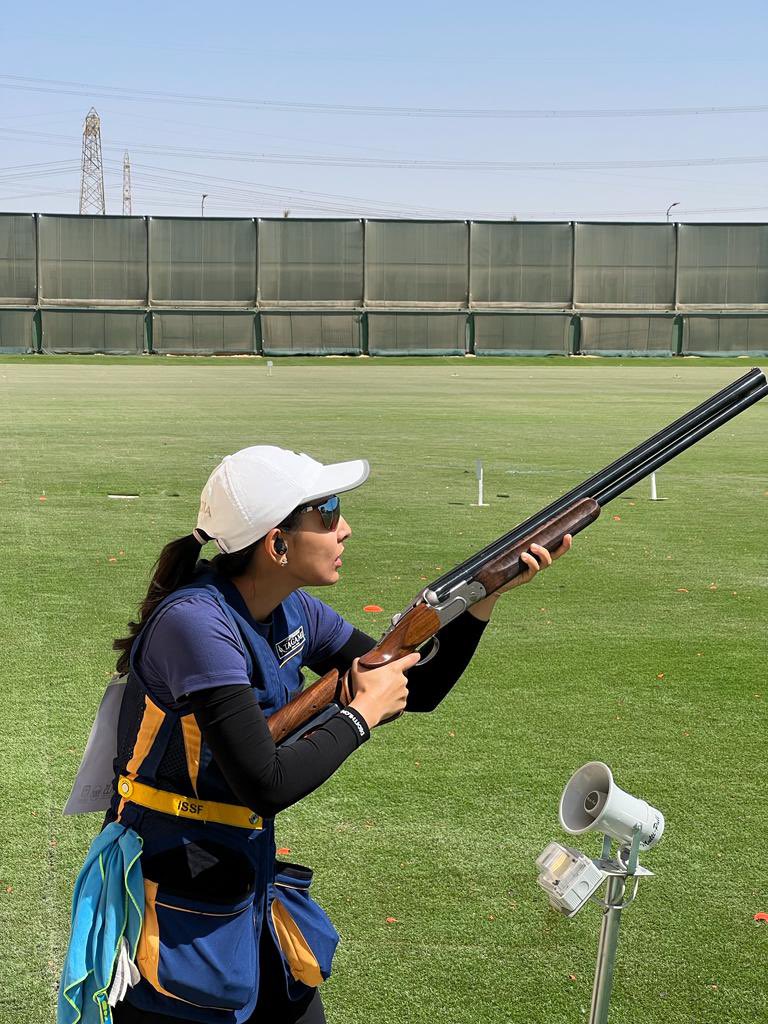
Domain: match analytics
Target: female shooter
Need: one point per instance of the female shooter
(227, 934)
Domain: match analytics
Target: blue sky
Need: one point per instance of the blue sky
(256, 160)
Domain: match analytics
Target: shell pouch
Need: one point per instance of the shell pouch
(200, 953)
(301, 929)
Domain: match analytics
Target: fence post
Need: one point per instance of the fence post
(676, 289)
(37, 258)
(257, 271)
(37, 328)
(678, 332)
(148, 331)
(364, 222)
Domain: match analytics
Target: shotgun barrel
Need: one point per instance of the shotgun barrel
(746, 388)
(613, 490)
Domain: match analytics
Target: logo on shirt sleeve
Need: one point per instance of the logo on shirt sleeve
(290, 646)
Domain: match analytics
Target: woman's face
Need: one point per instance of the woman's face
(314, 552)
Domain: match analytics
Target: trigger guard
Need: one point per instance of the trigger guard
(435, 648)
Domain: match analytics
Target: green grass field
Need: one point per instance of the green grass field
(644, 647)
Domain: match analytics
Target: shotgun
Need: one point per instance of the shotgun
(491, 568)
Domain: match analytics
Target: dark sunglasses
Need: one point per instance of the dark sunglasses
(330, 511)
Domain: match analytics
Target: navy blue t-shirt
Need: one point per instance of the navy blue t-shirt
(192, 646)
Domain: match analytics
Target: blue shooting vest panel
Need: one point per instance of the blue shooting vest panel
(199, 957)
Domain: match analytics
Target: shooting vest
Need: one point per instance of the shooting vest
(198, 956)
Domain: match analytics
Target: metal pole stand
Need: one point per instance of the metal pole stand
(620, 871)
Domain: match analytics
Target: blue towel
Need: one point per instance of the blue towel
(107, 905)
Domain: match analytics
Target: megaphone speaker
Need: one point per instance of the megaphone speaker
(592, 801)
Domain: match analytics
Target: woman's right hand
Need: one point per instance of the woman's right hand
(381, 693)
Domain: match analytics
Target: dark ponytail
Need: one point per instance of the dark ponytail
(175, 568)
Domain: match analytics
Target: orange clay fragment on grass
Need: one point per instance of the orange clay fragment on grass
(284, 851)
(761, 917)
(392, 920)
(373, 608)
(617, 519)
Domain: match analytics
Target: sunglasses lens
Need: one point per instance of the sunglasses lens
(331, 512)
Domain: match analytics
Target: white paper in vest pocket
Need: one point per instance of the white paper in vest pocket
(94, 785)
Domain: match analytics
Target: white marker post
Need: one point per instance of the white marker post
(479, 471)
(269, 367)
(654, 495)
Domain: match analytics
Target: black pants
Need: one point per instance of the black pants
(273, 1006)
(302, 1012)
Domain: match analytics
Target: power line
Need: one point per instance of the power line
(331, 160)
(122, 93)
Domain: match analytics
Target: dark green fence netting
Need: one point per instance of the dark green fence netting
(722, 264)
(417, 334)
(316, 333)
(204, 261)
(17, 331)
(627, 335)
(18, 258)
(521, 263)
(203, 333)
(93, 259)
(624, 264)
(522, 334)
(414, 261)
(120, 332)
(726, 335)
(311, 261)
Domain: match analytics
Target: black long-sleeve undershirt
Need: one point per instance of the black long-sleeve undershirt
(267, 778)
(264, 777)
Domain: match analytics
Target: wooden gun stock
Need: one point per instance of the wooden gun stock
(422, 622)
(415, 628)
(310, 702)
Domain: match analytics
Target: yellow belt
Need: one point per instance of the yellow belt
(187, 806)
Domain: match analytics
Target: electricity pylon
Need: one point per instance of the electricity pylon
(92, 168)
(126, 185)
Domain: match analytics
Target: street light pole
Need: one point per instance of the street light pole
(205, 196)
(671, 205)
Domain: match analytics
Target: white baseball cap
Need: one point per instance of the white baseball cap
(252, 491)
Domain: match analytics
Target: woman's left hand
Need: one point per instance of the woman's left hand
(482, 610)
(542, 560)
